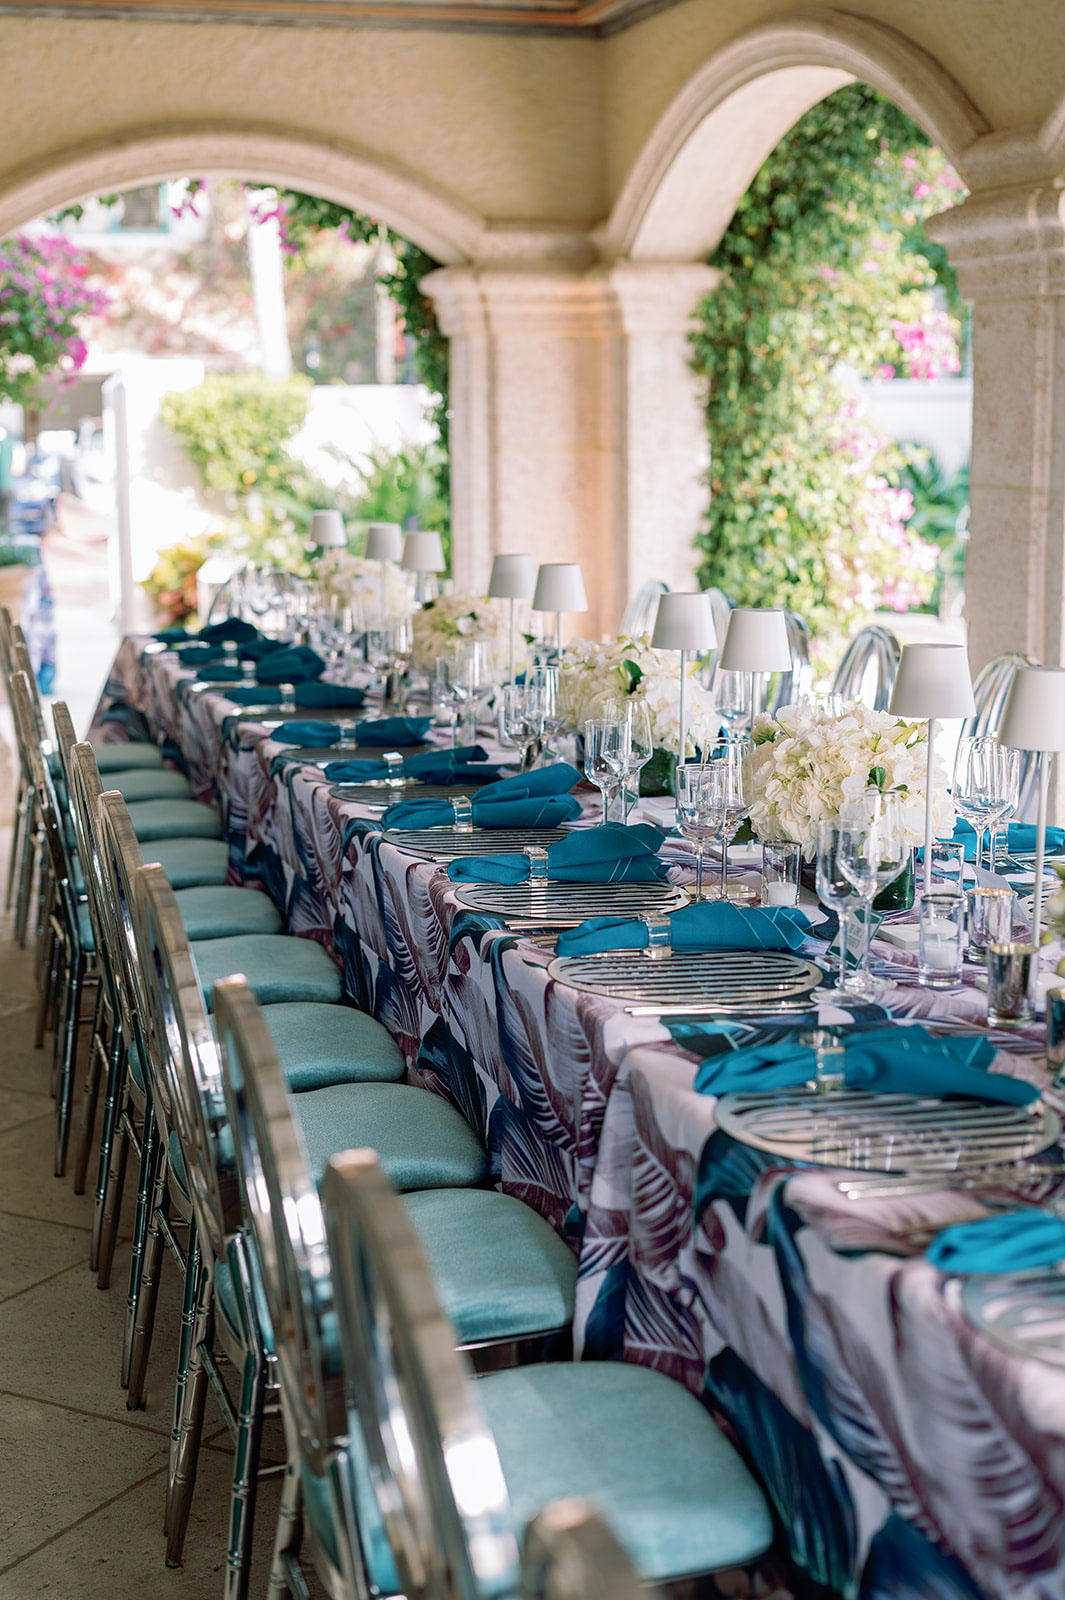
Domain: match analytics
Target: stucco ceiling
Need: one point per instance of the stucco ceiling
(582, 17)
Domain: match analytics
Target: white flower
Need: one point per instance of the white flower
(442, 625)
(627, 668)
(357, 582)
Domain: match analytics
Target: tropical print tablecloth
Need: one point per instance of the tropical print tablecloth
(906, 1456)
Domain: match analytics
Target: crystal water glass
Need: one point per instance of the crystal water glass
(1012, 762)
(473, 681)
(695, 816)
(872, 853)
(981, 789)
(443, 700)
(732, 701)
(990, 919)
(728, 796)
(602, 746)
(523, 718)
(836, 891)
(637, 749)
(947, 863)
(545, 681)
(942, 941)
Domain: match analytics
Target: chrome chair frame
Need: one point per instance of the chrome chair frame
(569, 1553)
(639, 615)
(872, 647)
(990, 688)
(32, 853)
(791, 686)
(22, 807)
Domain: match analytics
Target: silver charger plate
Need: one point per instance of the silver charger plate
(703, 979)
(378, 793)
(444, 844)
(1024, 1312)
(865, 1130)
(564, 905)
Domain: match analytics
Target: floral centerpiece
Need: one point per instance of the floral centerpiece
(357, 582)
(441, 625)
(809, 765)
(629, 669)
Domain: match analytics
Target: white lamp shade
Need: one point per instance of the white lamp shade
(933, 680)
(327, 529)
(1033, 717)
(423, 551)
(756, 640)
(513, 578)
(684, 622)
(384, 541)
(559, 587)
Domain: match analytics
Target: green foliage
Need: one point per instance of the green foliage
(16, 555)
(823, 265)
(236, 426)
(940, 517)
(401, 484)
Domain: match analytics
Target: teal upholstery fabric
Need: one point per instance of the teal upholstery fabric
(190, 862)
(641, 1449)
(276, 966)
(217, 911)
(422, 1142)
(126, 757)
(136, 1068)
(500, 1270)
(318, 1503)
(225, 1292)
(178, 1170)
(174, 819)
(319, 1046)
(86, 937)
(148, 785)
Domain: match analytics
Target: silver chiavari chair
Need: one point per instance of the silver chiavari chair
(990, 688)
(459, 1468)
(639, 615)
(23, 806)
(787, 687)
(30, 853)
(507, 1279)
(569, 1553)
(867, 671)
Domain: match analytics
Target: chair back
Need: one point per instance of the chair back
(990, 688)
(31, 751)
(20, 658)
(187, 1058)
(569, 1553)
(867, 671)
(433, 1460)
(7, 665)
(81, 785)
(639, 615)
(284, 1222)
(787, 687)
(120, 860)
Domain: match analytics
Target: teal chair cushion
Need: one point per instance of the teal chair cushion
(421, 1141)
(321, 1504)
(641, 1449)
(126, 757)
(161, 784)
(188, 863)
(218, 911)
(277, 966)
(319, 1046)
(500, 1270)
(228, 1305)
(174, 819)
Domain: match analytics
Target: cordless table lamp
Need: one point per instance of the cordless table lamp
(423, 554)
(683, 622)
(1033, 718)
(559, 587)
(933, 681)
(756, 642)
(384, 543)
(327, 530)
(512, 579)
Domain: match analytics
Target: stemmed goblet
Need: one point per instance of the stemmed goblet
(981, 790)
(836, 891)
(728, 798)
(523, 719)
(872, 853)
(602, 755)
(695, 819)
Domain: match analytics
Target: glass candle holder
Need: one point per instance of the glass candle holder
(948, 869)
(781, 862)
(990, 920)
(942, 941)
(1010, 971)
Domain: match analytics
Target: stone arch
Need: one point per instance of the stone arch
(442, 226)
(710, 141)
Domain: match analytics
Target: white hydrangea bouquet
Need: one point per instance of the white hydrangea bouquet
(441, 625)
(622, 669)
(810, 765)
(357, 582)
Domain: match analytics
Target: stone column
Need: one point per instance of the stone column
(1008, 247)
(575, 432)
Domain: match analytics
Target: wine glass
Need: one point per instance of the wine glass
(727, 796)
(473, 681)
(602, 743)
(981, 789)
(638, 748)
(732, 701)
(443, 698)
(523, 718)
(1012, 761)
(694, 817)
(872, 853)
(545, 681)
(835, 890)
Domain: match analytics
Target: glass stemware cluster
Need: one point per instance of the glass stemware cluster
(857, 856)
(712, 800)
(616, 747)
(986, 787)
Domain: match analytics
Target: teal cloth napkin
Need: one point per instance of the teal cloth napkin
(707, 925)
(465, 761)
(559, 778)
(321, 696)
(390, 732)
(385, 731)
(1009, 1241)
(538, 811)
(312, 735)
(251, 694)
(611, 853)
(1020, 838)
(893, 1060)
(294, 665)
(219, 670)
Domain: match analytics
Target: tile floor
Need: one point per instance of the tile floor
(81, 1490)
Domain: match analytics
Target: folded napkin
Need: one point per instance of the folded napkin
(893, 1060)
(219, 670)
(466, 762)
(1009, 1241)
(393, 731)
(539, 811)
(1020, 838)
(321, 696)
(172, 635)
(707, 925)
(291, 665)
(232, 628)
(608, 854)
(558, 778)
(254, 694)
(196, 653)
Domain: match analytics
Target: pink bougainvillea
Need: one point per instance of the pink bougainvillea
(45, 293)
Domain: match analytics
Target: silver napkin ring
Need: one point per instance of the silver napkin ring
(230, 647)
(393, 766)
(462, 806)
(658, 946)
(537, 859)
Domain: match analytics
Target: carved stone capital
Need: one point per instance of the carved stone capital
(1007, 244)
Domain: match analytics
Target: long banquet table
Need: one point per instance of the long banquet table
(904, 1452)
